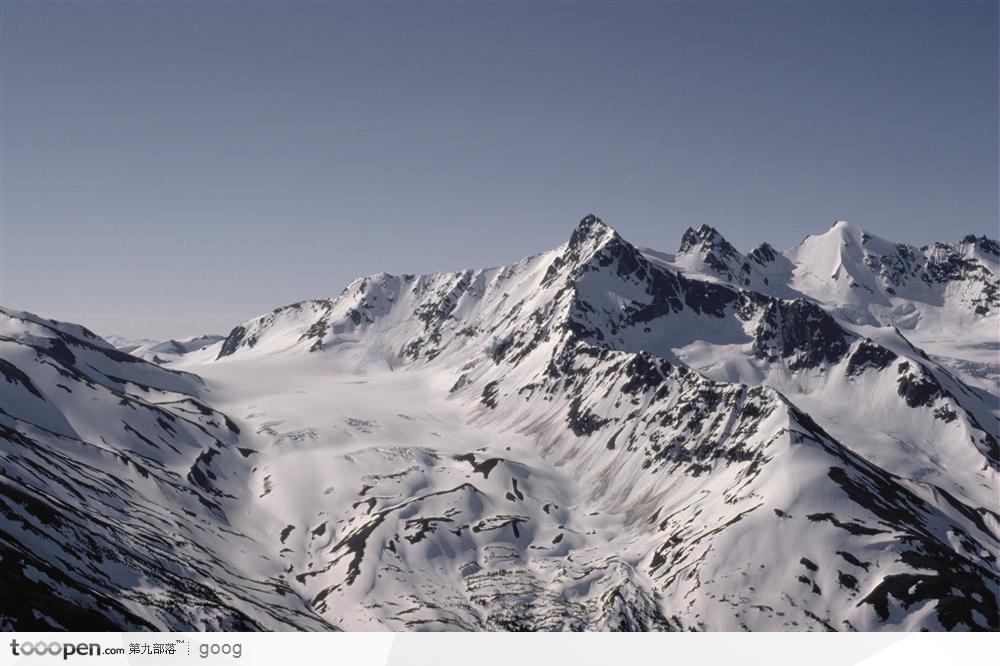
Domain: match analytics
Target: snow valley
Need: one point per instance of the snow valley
(601, 436)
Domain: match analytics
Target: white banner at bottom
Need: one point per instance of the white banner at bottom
(496, 649)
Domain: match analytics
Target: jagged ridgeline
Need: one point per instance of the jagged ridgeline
(599, 437)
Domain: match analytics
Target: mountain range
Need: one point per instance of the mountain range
(598, 437)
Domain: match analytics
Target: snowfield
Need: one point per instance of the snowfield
(599, 437)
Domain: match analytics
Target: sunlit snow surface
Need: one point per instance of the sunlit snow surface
(596, 437)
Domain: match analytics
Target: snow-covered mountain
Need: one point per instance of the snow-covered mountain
(171, 350)
(597, 437)
(861, 277)
(126, 345)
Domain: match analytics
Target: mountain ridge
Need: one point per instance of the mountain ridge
(592, 437)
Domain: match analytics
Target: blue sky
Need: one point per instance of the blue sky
(175, 168)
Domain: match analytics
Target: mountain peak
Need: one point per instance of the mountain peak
(983, 243)
(764, 254)
(847, 232)
(842, 234)
(693, 238)
(705, 237)
(590, 235)
(705, 245)
(592, 240)
(590, 227)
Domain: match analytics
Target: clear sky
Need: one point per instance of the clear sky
(175, 168)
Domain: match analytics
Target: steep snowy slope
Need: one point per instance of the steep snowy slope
(940, 301)
(109, 514)
(913, 411)
(872, 280)
(595, 437)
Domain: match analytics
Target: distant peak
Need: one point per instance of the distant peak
(703, 232)
(707, 237)
(845, 229)
(763, 253)
(841, 232)
(842, 228)
(983, 243)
